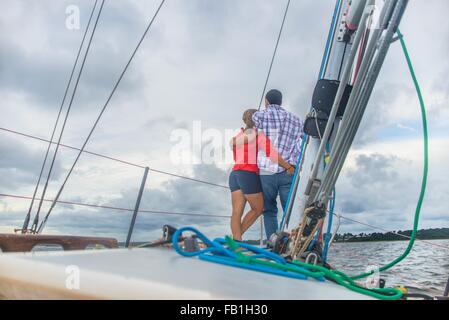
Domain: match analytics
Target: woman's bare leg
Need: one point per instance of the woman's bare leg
(256, 203)
(238, 207)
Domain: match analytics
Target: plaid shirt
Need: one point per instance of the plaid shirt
(285, 130)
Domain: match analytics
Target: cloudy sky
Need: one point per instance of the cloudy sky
(204, 62)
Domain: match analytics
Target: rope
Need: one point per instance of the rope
(28, 215)
(226, 251)
(118, 208)
(114, 159)
(42, 225)
(50, 171)
(274, 54)
(237, 254)
(329, 42)
(426, 164)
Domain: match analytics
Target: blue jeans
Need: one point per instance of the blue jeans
(272, 186)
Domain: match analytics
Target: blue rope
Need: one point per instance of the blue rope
(329, 39)
(298, 166)
(218, 252)
(314, 240)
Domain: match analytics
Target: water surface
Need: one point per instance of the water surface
(426, 268)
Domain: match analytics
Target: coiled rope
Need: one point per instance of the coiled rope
(241, 255)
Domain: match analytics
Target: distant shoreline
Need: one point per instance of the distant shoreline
(400, 240)
(423, 234)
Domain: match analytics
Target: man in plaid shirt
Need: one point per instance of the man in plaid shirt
(285, 131)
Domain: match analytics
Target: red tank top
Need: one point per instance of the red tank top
(245, 155)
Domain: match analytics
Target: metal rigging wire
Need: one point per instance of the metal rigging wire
(274, 54)
(28, 215)
(22, 134)
(42, 225)
(96, 206)
(36, 218)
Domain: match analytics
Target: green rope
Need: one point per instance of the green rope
(426, 166)
(337, 276)
(316, 272)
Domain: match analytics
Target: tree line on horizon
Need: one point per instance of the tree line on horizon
(423, 234)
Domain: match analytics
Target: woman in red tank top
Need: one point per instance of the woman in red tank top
(244, 180)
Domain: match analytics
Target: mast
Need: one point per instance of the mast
(360, 36)
(335, 56)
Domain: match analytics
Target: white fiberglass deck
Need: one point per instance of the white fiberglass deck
(147, 274)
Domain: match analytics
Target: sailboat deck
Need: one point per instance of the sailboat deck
(146, 274)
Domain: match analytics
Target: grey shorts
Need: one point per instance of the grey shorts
(246, 181)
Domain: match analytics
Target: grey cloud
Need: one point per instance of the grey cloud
(375, 185)
(383, 191)
(20, 166)
(43, 74)
(374, 169)
(376, 116)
